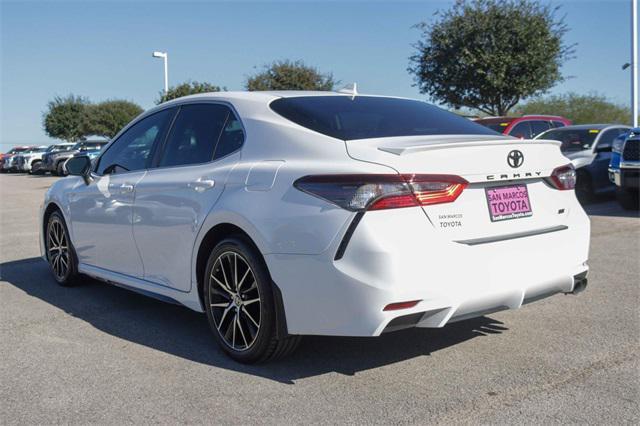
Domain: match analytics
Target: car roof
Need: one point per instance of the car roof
(268, 95)
(590, 126)
(522, 118)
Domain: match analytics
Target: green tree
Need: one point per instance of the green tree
(64, 118)
(107, 118)
(581, 109)
(187, 88)
(290, 75)
(490, 54)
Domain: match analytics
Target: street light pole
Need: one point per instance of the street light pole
(165, 57)
(634, 62)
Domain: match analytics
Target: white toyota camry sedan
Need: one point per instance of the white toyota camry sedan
(281, 214)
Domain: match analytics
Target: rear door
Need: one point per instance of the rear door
(175, 196)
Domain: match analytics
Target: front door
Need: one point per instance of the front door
(101, 212)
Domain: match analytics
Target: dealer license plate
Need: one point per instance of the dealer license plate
(508, 202)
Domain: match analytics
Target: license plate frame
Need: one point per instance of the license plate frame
(508, 202)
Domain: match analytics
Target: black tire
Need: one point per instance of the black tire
(629, 199)
(57, 234)
(231, 313)
(584, 187)
(60, 171)
(35, 168)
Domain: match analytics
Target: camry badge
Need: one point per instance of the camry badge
(515, 158)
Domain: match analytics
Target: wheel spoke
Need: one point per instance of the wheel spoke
(252, 287)
(246, 345)
(233, 341)
(222, 286)
(64, 262)
(243, 278)
(246, 313)
(235, 271)
(224, 315)
(224, 275)
(223, 294)
(250, 301)
(220, 305)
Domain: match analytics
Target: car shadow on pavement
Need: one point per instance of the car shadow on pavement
(181, 332)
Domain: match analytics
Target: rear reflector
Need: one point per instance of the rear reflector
(380, 192)
(564, 177)
(401, 305)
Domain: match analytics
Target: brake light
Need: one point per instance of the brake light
(380, 192)
(564, 177)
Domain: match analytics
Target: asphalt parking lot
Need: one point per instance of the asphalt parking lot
(100, 354)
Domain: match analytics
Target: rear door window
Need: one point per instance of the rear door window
(539, 126)
(521, 130)
(195, 134)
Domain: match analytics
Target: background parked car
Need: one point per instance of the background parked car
(525, 127)
(9, 163)
(55, 162)
(24, 161)
(91, 153)
(624, 168)
(47, 159)
(4, 158)
(588, 146)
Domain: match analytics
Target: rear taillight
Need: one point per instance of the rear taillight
(380, 192)
(563, 177)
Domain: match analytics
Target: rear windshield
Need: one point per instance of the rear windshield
(365, 117)
(572, 140)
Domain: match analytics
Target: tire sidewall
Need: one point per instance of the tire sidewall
(267, 306)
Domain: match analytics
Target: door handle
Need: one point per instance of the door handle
(126, 188)
(202, 184)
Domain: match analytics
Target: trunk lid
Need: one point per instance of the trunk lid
(482, 161)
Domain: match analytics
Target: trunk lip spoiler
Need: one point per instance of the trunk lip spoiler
(444, 142)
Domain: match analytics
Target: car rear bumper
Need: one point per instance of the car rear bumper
(397, 258)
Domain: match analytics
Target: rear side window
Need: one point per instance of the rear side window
(606, 139)
(195, 134)
(573, 139)
(231, 138)
(365, 117)
(521, 130)
(539, 126)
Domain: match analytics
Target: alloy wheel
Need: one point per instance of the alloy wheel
(58, 249)
(235, 302)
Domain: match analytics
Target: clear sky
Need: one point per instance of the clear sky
(102, 50)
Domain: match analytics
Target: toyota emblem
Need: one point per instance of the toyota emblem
(515, 158)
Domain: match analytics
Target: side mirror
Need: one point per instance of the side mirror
(79, 166)
(603, 148)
